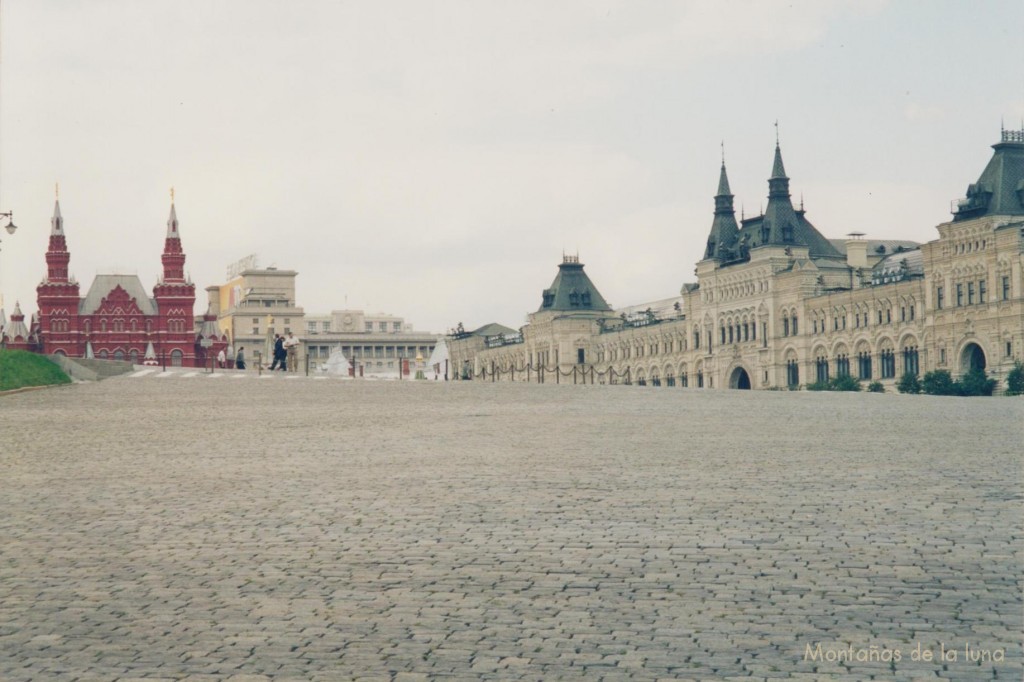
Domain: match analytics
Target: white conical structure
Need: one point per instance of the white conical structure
(149, 358)
(337, 364)
(437, 363)
(89, 355)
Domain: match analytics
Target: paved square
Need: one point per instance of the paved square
(331, 530)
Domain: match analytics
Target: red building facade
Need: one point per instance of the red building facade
(116, 319)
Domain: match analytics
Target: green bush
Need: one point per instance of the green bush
(976, 382)
(1015, 379)
(20, 369)
(939, 382)
(843, 383)
(909, 383)
(876, 387)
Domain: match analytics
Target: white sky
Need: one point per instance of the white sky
(434, 159)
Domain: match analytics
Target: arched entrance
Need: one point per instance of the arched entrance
(972, 357)
(739, 379)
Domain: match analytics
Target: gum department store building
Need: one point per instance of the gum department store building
(777, 304)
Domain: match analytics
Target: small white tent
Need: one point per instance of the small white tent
(337, 364)
(149, 359)
(437, 365)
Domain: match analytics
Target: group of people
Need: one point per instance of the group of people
(240, 357)
(286, 353)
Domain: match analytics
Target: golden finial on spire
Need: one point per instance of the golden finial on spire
(56, 190)
(172, 194)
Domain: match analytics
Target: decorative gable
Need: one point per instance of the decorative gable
(118, 302)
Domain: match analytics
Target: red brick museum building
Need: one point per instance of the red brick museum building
(116, 319)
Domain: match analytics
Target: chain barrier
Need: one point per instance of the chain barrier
(581, 374)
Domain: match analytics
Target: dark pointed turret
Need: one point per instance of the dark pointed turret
(780, 218)
(572, 290)
(724, 228)
(1000, 189)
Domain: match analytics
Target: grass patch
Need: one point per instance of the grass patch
(19, 369)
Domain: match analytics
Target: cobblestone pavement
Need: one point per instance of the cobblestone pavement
(186, 527)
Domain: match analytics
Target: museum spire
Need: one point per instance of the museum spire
(173, 257)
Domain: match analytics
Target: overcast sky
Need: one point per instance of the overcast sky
(433, 159)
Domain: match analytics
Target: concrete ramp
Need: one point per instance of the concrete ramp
(83, 369)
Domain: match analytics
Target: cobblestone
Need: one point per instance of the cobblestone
(189, 529)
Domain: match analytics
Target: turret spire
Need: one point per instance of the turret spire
(172, 220)
(57, 221)
(778, 170)
(57, 256)
(724, 228)
(173, 257)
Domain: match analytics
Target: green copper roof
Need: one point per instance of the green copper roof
(780, 225)
(572, 290)
(723, 228)
(1000, 189)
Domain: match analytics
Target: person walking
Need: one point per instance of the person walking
(278, 352)
(222, 359)
(291, 346)
(240, 358)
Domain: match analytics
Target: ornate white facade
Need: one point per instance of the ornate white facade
(777, 305)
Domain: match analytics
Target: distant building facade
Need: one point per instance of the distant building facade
(257, 303)
(116, 319)
(776, 304)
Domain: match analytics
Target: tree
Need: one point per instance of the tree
(909, 383)
(976, 382)
(939, 382)
(1015, 379)
(876, 387)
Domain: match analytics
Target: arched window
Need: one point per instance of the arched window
(134, 357)
(102, 355)
(910, 360)
(792, 373)
(821, 369)
(176, 358)
(888, 358)
(864, 365)
(119, 354)
(842, 365)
